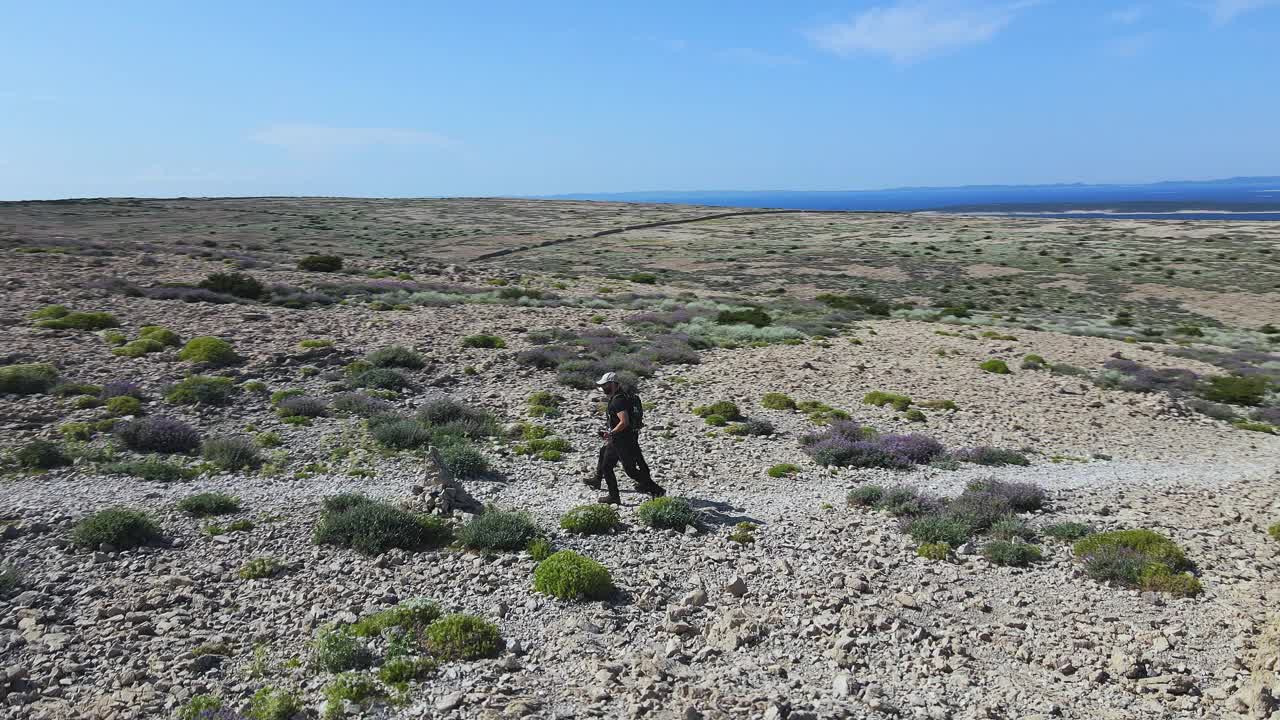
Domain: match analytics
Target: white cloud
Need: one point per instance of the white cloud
(911, 30)
(1128, 16)
(301, 137)
(1224, 11)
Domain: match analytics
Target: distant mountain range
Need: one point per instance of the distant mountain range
(1248, 195)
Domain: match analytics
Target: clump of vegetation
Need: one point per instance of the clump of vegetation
(1236, 389)
(201, 707)
(724, 409)
(939, 404)
(782, 470)
(743, 533)
(398, 671)
(396, 356)
(667, 512)
(41, 455)
(752, 426)
(544, 404)
(235, 284)
(28, 379)
(1033, 362)
(211, 503)
(643, 278)
(1022, 497)
(272, 704)
(569, 576)
(1012, 554)
(72, 320)
(847, 444)
(10, 579)
(777, 401)
(821, 413)
(348, 687)
(208, 350)
(320, 263)
(1274, 532)
(231, 453)
(997, 367)
(371, 528)
(360, 404)
(258, 568)
(302, 406)
(138, 348)
(202, 390)
(463, 460)
(158, 434)
(335, 650)
(119, 527)
(315, 343)
(413, 615)
(591, 520)
(934, 551)
(995, 457)
(1068, 531)
(397, 433)
(753, 316)
(880, 399)
(1138, 558)
(484, 341)
(152, 470)
(124, 405)
(463, 637)
(498, 530)
(540, 549)
(379, 379)
(950, 529)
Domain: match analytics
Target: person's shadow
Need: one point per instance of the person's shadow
(713, 512)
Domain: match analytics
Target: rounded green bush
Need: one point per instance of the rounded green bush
(463, 460)
(782, 470)
(1274, 532)
(1003, 552)
(395, 356)
(940, 529)
(865, 496)
(372, 528)
(463, 637)
(1069, 531)
(212, 503)
(27, 379)
(81, 321)
(540, 549)
(591, 519)
(491, 342)
(777, 401)
(879, 398)
(208, 350)
(162, 335)
(716, 420)
(380, 378)
(117, 526)
(138, 348)
(41, 455)
(231, 453)
(998, 367)
(320, 263)
(1152, 545)
(124, 405)
(725, 409)
(934, 551)
(569, 576)
(498, 530)
(335, 650)
(667, 512)
(397, 433)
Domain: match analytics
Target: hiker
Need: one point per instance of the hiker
(624, 419)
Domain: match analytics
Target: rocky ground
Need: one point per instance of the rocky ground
(829, 613)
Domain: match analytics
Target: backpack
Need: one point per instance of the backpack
(635, 410)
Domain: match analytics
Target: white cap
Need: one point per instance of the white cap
(607, 378)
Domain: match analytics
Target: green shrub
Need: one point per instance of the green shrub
(483, 341)
(314, 343)
(743, 533)
(212, 503)
(50, 312)
(28, 379)
(498, 530)
(747, 316)
(1255, 427)
(272, 704)
(202, 390)
(1157, 577)
(1068, 531)
(782, 470)
(1011, 528)
(463, 461)
(335, 650)
(643, 278)
(257, 568)
(939, 405)
(540, 549)
(159, 434)
(1033, 362)
(400, 670)
(348, 687)
(72, 389)
(725, 409)
(777, 401)
(10, 579)
(1151, 545)
(463, 637)
(397, 433)
(80, 321)
(231, 453)
(235, 284)
(880, 399)
(540, 445)
(138, 348)
(117, 526)
(412, 615)
(76, 431)
(124, 405)
(914, 415)
(200, 707)
(949, 529)
(396, 356)
(209, 351)
(716, 420)
(380, 378)
(372, 528)
(998, 367)
(1003, 552)
(865, 496)
(821, 413)
(41, 455)
(569, 576)
(113, 338)
(162, 335)
(1274, 532)
(241, 525)
(150, 470)
(1235, 389)
(591, 519)
(320, 263)
(268, 439)
(667, 512)
(934, 551)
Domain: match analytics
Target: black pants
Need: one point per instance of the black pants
(624, 448)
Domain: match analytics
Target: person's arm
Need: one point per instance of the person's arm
(624, 422)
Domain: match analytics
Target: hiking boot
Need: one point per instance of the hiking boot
(653, 490)
(593, 483)
(609, 499)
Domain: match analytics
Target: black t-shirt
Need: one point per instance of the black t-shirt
(619, 404)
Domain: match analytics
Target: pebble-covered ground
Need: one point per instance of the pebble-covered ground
(828, 613)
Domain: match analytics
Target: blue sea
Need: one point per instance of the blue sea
(1234, 199)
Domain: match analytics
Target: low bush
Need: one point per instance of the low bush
(1152, 546)
(413, 615)
(1274, 532)
(272, 704)
(569, 576)
(1034, 362)
(235, 284)
(41, 455)
(463, 460)
(138, 348)
(336, 650)
(540, 549)
(372, 527)
(463, 637)
(315, 343)
(865, 496)
(204, 707)
(591, 520)
(846, 444)
(747, 316)
(396, 356)
(934, 551)
(302, 406)
(944, 528)
(398, 671)
(28, 379)
(498, 530)
(360, 404)
(979, 509)
(158, 434)
(211, 503)
(643, 278)
(1255, 427)
(124, 405)
(80, 321)
(455, 417)
(998, 367)
(258, 568)
(1011, 554)
(231, 453)
(76, 431)
(1235, 389)
(119, 527)
(821, 413)
(397, 433)
(379, 379)
(782, 470)
(1012, 528)
(320, 263)
(348, 687)
(150, 470)
(544, 445)
(1159, 578)
(484, 341)
(202, 390)
(777, 401)
(121, 388)
(1023, 497)
(725, 409)
(1068, 531)
(667, 512)
(990, 456)
(939, 404)
(208, 350)
(880, 399)
(752, 426)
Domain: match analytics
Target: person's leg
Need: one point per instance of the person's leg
(594, 482)
(634, 465)
(608, 459)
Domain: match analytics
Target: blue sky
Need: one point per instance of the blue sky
(488, 98)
